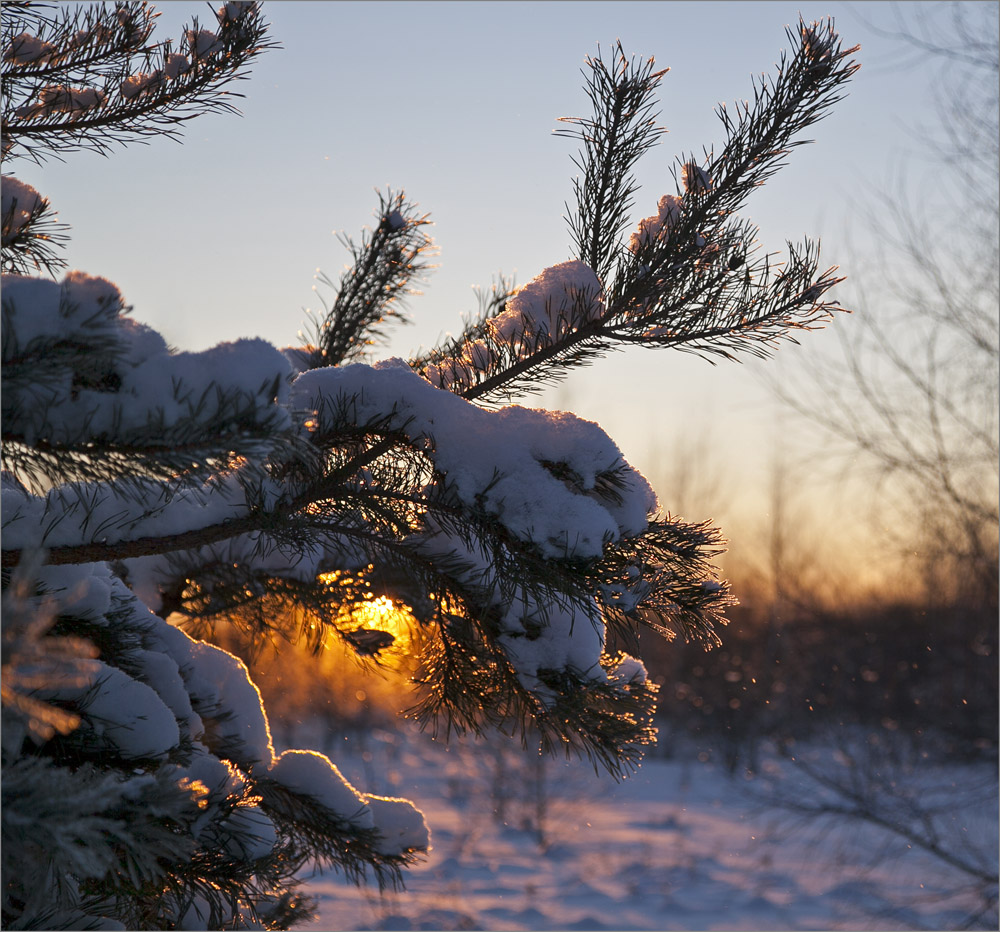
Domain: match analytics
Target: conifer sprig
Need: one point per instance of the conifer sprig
(89, 78)
(621, 129)
(688, 278)
(371, 293)
(32, 234)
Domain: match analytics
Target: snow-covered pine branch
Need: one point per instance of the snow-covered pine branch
(91, 393)
(689, 276)
(168, 797)
(89, 77)
(31, 232)
(283, 488)
(370, 294)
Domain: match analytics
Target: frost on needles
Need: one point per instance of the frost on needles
(149, 494)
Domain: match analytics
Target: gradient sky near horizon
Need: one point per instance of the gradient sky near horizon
(456, 102)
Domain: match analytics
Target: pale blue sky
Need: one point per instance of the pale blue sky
(219, 237)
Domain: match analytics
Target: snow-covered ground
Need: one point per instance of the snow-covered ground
(523, 844)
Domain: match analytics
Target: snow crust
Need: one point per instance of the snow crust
(228, 703)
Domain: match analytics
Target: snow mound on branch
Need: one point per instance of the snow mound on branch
(536, 471)
(125, 715)
(252, 834)
(536, 636)
(197, 384)
(556, 302)
(310, 773)
(175, 65)
(233, 10)
(79, 513)
(136, 84)
(659, 225)
(400, 823)
(83, 590)
(203, 42)
(224, 697)
(696, 179)
(83, 308)
(57, 98)
(562, 297)
(570, 639)
(18, 202)
(628, 670)
(162, 674)
(26, 48)
(129, 383)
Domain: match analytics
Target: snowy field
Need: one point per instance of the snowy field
(519, 844)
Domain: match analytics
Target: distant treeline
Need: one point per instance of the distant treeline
(930, 673)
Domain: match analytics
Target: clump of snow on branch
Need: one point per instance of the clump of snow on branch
(400, 824)
(497, 459)
(563, 296)
(628, 670)
(234, 9)
(203, 42)
(143, 384)
(175, 65)
(136, 84)
(26, 48)
(57, 98)
(536, 634)
(313, 773)
(559, 300)
(696, 180)
(120, 714)
(659, 225)
(20, 200)
(84, 306)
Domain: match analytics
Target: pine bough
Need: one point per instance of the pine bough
(271, 488)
